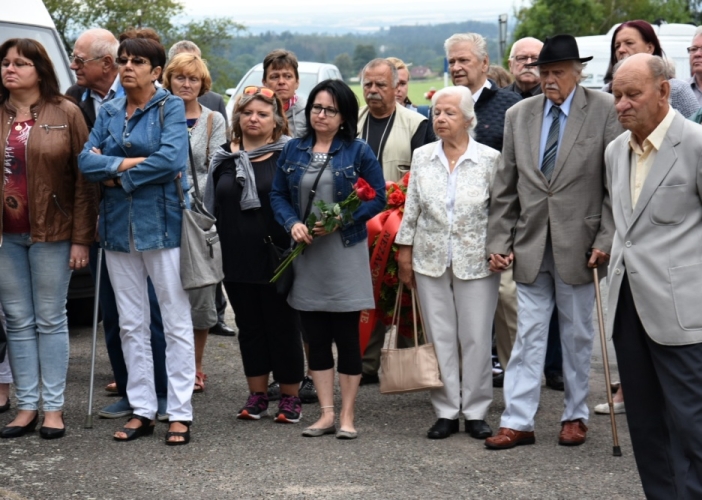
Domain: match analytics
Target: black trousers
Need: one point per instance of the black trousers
(663, 405)
(323, 328)
(269, 336)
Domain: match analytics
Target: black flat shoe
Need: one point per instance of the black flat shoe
(555, 381)
(443, 428)
(16, 431)
(53, 432)
(478, 429)
(146, 429)
(185, 435)
(5, 407)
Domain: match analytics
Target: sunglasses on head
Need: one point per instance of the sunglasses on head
(265, 91)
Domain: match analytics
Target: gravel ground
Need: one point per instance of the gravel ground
(228, 458)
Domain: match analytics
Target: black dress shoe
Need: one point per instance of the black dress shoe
(498, 380)
(478, 429)
(555, 381)
(369, 379)
(52, 432)
(443, 428)
(16, 431)
(222, 329)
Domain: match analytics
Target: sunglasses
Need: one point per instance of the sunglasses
(264, 91)
(136, 61)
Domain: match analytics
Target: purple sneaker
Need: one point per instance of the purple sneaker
(289, 410)
(255, 408)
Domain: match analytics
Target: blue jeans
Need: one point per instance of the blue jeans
(110, 323)
(33, 287)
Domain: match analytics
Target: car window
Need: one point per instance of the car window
(47, 38)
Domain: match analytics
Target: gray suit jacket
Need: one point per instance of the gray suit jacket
(575, 205)
(657, 242)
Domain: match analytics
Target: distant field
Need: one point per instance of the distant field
(417, 88)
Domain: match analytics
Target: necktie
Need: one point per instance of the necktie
(549, 161)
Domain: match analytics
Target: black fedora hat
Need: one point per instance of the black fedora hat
(559, 48)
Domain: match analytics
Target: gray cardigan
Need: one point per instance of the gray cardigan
(198, 143)
(296, 117)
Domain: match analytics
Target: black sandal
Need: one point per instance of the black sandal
(185, 435)
(146, 429)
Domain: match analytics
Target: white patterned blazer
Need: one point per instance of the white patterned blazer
(427, 225)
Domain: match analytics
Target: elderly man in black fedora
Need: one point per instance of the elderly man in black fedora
(549, 206)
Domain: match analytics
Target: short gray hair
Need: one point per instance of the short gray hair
(379, 61)
(698, 32)
(183, 46)
(103, 43)
(478, 42)
(465, 104)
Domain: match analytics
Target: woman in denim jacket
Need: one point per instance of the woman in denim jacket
(332, 277)
(137, 149)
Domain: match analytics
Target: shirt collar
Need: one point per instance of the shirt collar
(470, 154)
(114, 91)
(656, 137)
(565, 107)
(486, 85)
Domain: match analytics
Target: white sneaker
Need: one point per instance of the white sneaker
(603, 409)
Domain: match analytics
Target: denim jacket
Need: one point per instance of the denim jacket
(349, 161)
(147, 203)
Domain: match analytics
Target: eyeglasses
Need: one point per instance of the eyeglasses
(80, 61)
(693, 49)
(525, 59)
(17, 63)
(265, 91)
(328, 112)
(136, 61)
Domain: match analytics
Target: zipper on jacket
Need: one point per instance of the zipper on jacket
(58, 205)
(47, 128)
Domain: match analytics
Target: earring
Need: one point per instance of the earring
(342, 127)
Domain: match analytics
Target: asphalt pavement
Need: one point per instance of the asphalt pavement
(229, 458)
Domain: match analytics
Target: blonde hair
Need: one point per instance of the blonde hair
(187, 63)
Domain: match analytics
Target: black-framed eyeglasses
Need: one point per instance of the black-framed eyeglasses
(136, 61)
(525, 59)
(328, 112)
(80, 61)
(693, 49)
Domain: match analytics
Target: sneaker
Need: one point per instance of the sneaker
(308, 394)
(116, 410)
(274, 391)
(289, 410)
(255, 408)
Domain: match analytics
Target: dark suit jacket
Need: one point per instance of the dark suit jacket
(76, 93)
(215, 102)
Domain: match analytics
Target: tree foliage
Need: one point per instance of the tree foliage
(585, 17)
(362, 54)
(345, 64)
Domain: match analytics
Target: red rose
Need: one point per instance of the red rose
(405, 179)
(391, 186)
(396, 199)
(364, 190)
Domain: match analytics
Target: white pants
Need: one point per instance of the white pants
(522, 386)
(460, 312)
(128, 273)
(5, 372)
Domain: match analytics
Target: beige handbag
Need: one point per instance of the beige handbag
(411, 369)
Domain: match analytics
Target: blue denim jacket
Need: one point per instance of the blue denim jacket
(349, 161)
(148, 202)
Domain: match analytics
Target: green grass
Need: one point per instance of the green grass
(417, 88)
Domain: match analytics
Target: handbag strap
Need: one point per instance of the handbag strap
(313, 191)
(391, 339)
(210, 119)
(193, 172)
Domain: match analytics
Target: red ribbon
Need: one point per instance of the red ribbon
(384, 227)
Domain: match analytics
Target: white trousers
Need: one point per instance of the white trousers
(128, 273)
(535, 303)
(460, 313)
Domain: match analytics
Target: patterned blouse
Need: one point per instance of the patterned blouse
(445, 218)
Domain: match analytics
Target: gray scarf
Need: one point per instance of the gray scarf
(244, 173)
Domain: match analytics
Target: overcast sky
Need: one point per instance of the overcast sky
(296, 15)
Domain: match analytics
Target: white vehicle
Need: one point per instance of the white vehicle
(674, 39)
(30, 19)
(311, 73)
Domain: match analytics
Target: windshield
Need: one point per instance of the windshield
(51, 43)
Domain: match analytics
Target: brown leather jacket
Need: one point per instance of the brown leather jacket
(62, 204)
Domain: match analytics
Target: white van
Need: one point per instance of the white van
(674, 39)
(30, 19)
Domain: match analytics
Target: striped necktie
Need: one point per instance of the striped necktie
(549, 161)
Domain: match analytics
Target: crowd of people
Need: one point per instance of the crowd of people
(519, 186)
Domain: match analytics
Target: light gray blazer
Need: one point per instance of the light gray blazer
(575, 205)
(659, 243)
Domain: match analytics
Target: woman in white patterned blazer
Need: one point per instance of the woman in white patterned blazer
(442, 250)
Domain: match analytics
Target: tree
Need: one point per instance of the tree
(362, 54)
(345, 64)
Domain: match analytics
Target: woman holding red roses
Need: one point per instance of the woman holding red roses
(332, 277)
(442, 249)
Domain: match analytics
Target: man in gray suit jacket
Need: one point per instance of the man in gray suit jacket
(549, 206)
(655, 174)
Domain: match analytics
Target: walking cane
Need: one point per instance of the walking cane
(616, 450)
(89, 417)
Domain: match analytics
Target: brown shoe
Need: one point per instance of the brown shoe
(509, 438)
(573, 433)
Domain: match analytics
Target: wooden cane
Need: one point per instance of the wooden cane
(96, 311)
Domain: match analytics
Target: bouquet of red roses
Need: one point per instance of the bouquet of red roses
(332, 215)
